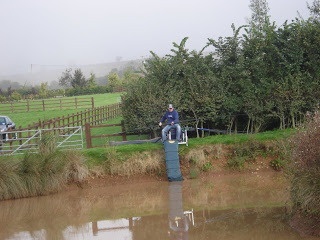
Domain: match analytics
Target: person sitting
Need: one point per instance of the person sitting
(172, 118)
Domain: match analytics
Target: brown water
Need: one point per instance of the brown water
(223, 207)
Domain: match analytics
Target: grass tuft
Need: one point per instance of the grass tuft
(11, 184)
(41, 173)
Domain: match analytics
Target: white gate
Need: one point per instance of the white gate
(18, 142)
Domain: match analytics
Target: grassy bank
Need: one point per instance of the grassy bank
(236, 152)
(50, 170)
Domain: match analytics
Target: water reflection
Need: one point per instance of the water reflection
(178, 222)
(233, 207)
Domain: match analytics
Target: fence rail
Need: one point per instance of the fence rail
(92, 116)
(18, 142)
(89, 136)
(46, 104)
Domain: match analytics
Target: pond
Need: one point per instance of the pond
(243, 206)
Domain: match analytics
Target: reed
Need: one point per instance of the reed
(11, 184)
(41, 173)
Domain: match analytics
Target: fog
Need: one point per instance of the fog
(61, 33)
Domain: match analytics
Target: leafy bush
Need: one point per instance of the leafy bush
(304, 167)
(15, 96)
(278, 163)
(3, 99)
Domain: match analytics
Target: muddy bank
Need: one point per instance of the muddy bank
(198, 163)
(306, 225)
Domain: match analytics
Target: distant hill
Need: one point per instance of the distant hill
(53, 73)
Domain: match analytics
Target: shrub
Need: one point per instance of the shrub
(304, 167)
(278, 163)
(3, 99)
(15, 96)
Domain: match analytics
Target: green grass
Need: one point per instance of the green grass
(26, 118)
(97, 154)
(238, 138)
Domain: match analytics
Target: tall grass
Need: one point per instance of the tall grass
(41, 173)
(304, 168)
(147, 162)
(11, 184)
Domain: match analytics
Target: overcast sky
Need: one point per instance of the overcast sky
(64, 32)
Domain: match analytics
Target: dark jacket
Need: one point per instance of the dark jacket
(171, 117)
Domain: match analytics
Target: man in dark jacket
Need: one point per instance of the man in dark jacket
(172, 117)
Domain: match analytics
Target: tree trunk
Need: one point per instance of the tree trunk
(202, 131)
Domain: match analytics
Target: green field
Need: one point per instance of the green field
(26, 118)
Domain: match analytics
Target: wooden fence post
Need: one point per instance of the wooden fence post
(28, 106)
(76, 103)
(88, 135)
(124, 135)
(10, 139)
(73, 119)
(92, 102)
(20, 135)
(43, 105)
(60, 104)
(12, 107)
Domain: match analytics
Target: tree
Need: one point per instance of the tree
(15, 96)
(43, 91)
(259, 15)
(129, 76)
(91, 81)
(65, 79)
(78, 80)
(315, 10)
(114, 80)
(9, 91)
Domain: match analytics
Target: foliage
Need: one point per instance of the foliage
(65, 79)
(43, 91)
(75, 80)
(114, 80)
(91, 81)
(78, 80)
(3, 99)
(315, 10)
(15, 96)
(278, 163)
(304, 167)
(266, 78)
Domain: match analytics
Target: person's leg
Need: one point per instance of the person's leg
(178, 131)
(164, 132)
